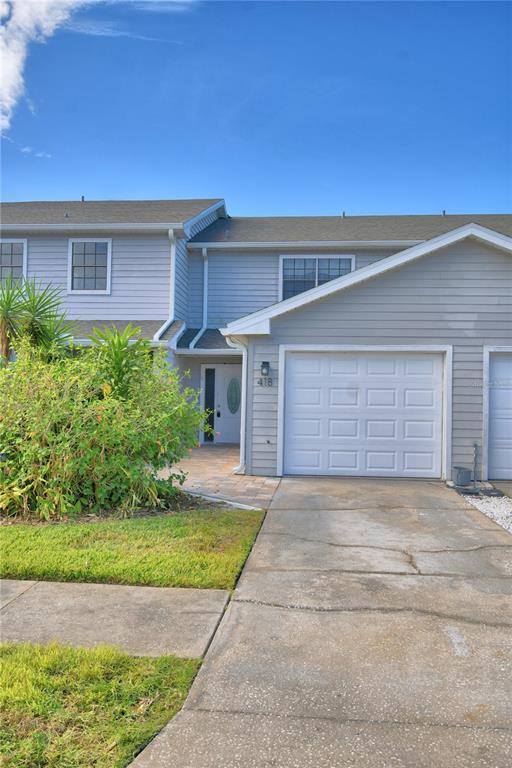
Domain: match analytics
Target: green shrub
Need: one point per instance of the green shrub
(73, 442)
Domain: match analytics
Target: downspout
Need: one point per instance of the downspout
(172, 287)
(204, 324)
(236, 343)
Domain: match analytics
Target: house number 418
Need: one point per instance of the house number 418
(265, 381)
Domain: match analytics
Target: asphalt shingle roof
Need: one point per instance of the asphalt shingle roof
(102, 212)
(338, 228)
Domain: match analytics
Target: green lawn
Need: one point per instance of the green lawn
(80, 708)
(197, 548)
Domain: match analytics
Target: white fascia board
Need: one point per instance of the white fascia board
(309, 244)
(255, 323)
(215, 207)
(252, 326)
(73, 226)
(200, 352)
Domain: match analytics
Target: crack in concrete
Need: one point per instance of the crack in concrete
(400, 551)
(20, 594)
(462, 549)
(383, 610)
(347, 720)
(409, 556)
(366, 572)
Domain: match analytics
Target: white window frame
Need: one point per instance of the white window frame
(316, 256)
(24, 241)
(90, 292)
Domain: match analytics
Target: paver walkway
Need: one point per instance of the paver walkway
(143, 621)
(210, 472)
(371, 628)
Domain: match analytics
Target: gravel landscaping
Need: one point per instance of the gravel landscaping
(498, 508)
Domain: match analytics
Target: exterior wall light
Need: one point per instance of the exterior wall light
(265, 369)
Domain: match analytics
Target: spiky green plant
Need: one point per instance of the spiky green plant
(122, 354)
(11, 304)
(33, 312)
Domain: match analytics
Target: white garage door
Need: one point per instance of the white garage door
(500, 417)
(363, 413)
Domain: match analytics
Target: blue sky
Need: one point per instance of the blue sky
(281, 108)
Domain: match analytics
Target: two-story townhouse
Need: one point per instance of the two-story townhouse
(340, 345)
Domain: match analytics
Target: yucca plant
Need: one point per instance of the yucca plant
(123, 355)
(11, 305)
(32, 312)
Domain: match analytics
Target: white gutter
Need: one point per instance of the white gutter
(205, 301)
(201, 352)
(238, 344)
(172, 286)
(86, 227)
(309, 244)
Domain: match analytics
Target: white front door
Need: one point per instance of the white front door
(222, 396)
(363, 413)
(500, 416)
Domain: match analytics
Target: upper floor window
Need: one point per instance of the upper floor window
(89, 265)
(301, 274)
(12, 259)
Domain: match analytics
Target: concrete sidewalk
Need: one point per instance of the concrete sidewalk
(143, 621)
(372, 627)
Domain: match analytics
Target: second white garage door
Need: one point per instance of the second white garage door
(364, 413)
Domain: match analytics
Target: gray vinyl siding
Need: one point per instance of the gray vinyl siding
(241, 282)
(459, 296)
(195, 290)
(181, 281)
(140, 287)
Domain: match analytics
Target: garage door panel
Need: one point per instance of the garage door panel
(343, 367)
(343, 460)
(343, 396)
(381, 366)
(380, 397)
(418, 429)
(378, 429)
(342, 427)
(500, 416)
(386, 420)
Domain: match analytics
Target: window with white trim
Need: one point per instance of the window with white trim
(12, 259)
(305, 272)
(89, 266)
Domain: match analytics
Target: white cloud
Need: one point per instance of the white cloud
(23, 22)
(163, 6)
(31, 151)
(107, 29)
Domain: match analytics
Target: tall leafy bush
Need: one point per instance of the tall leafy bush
(73, 441)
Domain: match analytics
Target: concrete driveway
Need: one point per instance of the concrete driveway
(372, 627)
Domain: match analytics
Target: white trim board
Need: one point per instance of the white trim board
(24, 262)
(187, 225)
(283, 256)
(487, 352)
(445, 350)
(202, 352)
(277, 244)
(106, 291)
(258, 323)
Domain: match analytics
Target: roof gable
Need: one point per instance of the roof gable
(258, 323)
